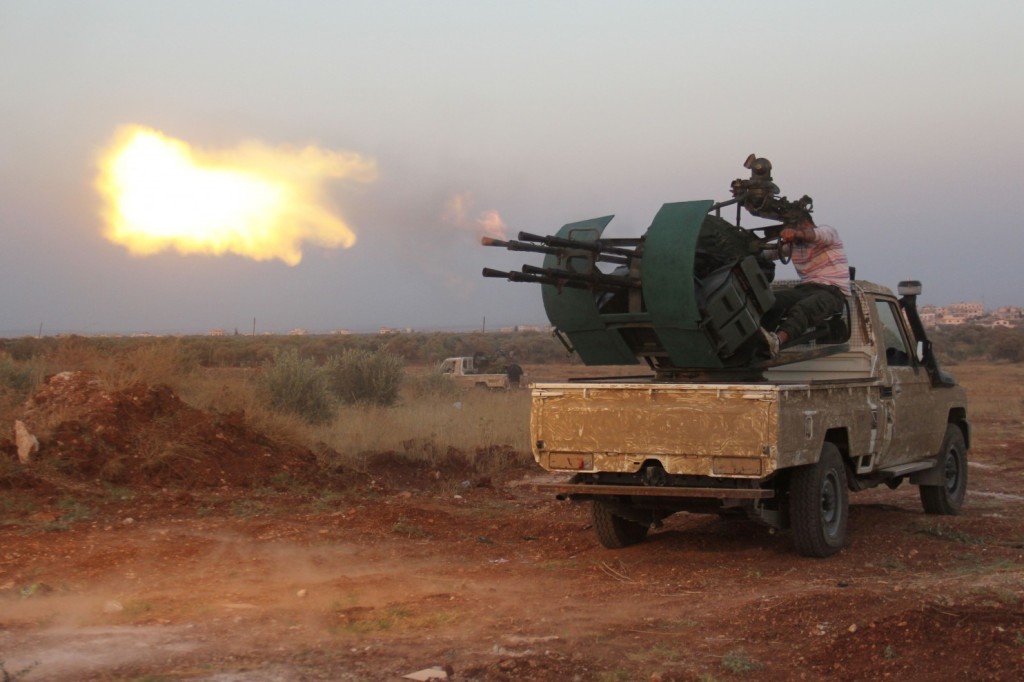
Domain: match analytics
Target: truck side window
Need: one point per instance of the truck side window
(896, 351)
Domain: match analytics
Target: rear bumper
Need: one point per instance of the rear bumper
(580, 491)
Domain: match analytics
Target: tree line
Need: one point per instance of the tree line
(953, 344)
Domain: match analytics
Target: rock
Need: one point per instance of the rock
(28, 444)
(301, 594)
(113, 606)
(35, 590)
(427, 674)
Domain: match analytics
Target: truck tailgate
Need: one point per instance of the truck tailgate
(696, 429)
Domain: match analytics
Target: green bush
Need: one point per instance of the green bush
(298, 386)
(19, 377)
(362, 376)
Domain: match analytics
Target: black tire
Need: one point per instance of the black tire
(948, 498)
(613, 531)
(819, 505)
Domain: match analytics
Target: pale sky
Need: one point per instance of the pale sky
(901, 119)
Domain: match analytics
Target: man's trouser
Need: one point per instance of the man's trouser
(804, 306)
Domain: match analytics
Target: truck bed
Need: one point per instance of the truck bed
(742, 430)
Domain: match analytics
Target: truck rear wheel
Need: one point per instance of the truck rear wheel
(819, 505)
(613, 531)
(949, 497)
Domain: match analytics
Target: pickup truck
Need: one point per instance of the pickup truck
(784, 448)
(463, 372)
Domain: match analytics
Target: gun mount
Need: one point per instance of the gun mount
(686, 297)
(759, 196)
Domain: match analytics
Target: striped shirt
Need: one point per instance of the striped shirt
(823, 261)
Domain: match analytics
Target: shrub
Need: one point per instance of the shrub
(1010, 348)
(298, 386)
(19, 377)
(432, 384)
(362, 376)
(152, 361)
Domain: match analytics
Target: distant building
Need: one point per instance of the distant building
(1009, 312)
(297, 332)
(966, 311)
(216, 332)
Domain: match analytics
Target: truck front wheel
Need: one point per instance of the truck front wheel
(613, 531)
(949, 497)
(819, 505)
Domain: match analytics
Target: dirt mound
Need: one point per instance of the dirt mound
(424, 465)
(146, 435)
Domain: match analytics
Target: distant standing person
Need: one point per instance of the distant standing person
(821, 264)
(515, 373)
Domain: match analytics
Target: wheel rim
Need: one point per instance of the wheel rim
(831, 513)
(952, 471)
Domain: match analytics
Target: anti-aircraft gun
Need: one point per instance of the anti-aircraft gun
(687, 297)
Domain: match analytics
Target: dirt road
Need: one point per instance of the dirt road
(410, 568)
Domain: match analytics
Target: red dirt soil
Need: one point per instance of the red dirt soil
(279, 571)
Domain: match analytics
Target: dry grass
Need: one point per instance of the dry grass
(992, 387)
(423, 425)
(239, 390)
(150, 361)
(155, 363)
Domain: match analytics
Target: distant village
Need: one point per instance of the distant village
(1010, 316)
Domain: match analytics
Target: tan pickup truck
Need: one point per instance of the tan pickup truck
(784, 449)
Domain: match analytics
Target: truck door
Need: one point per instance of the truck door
(906, 388)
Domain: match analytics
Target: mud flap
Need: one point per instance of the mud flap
(936, 475)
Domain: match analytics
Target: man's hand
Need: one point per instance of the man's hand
(790, 235)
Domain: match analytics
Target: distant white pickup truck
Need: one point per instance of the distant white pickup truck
(464, 373)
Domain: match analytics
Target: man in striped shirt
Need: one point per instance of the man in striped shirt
(820, 261)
